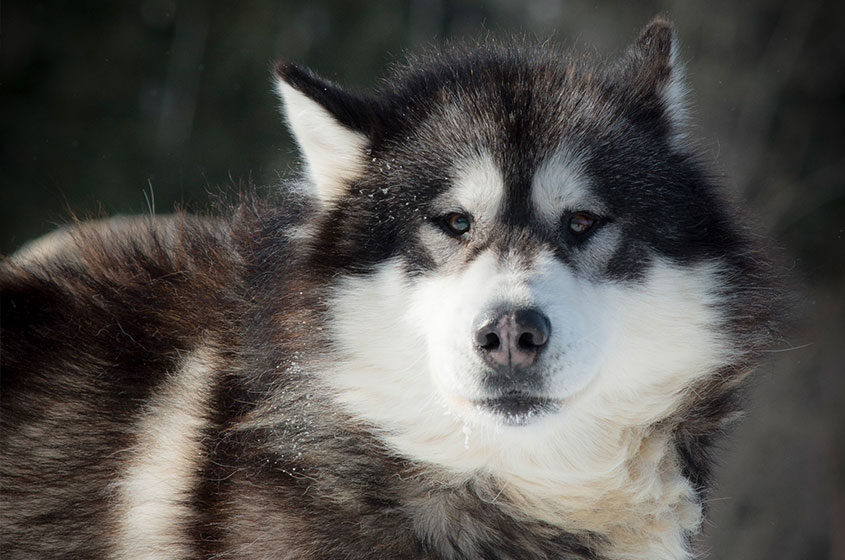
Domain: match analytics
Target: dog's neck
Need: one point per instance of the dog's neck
(641, 504)
(629, 490)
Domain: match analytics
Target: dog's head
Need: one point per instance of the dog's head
(518, 240)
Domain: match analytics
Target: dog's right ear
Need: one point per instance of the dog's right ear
(652, 79)
(332, 127)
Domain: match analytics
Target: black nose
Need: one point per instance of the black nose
(511, 339)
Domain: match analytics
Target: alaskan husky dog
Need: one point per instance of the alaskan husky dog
(502, 315)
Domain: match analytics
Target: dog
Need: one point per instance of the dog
(503, 313)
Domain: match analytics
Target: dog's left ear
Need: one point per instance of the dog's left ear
(332, 127)
(653, 78)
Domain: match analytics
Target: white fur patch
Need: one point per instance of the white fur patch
(478, 188)
(625, 355)
(333, 153)
(161, 468)
(675, 94)
(559, 185)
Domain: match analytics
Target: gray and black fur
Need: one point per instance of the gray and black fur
(94, 329)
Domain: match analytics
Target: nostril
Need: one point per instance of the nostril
(526, 341)
(534, 328)
(486, 333)
(491, 341)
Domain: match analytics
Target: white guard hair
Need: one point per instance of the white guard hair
(671, 87)
(675, 95)
(153, 492)
(333, 154)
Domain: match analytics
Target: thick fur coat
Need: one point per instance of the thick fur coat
(503, 315)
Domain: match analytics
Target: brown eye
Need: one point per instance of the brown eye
(580, 223)
(457, 224)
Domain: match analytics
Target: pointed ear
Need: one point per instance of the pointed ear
(654, 76)
(330, 125)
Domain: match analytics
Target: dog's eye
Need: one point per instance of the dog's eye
(580, 223)
(456, 224)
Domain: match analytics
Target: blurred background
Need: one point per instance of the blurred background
(106, 106)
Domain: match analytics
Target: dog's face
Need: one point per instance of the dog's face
(520, 323)
(517, 243)
(513, 322)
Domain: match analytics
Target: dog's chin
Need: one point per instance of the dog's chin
(515, 408)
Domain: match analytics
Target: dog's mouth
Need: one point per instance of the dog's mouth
(518, 409)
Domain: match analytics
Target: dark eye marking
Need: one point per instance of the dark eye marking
(456, 224)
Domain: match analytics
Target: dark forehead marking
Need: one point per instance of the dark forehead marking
(519, 166)
(515, 103)
(524, 133)
(518, 148)
(526, 115)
